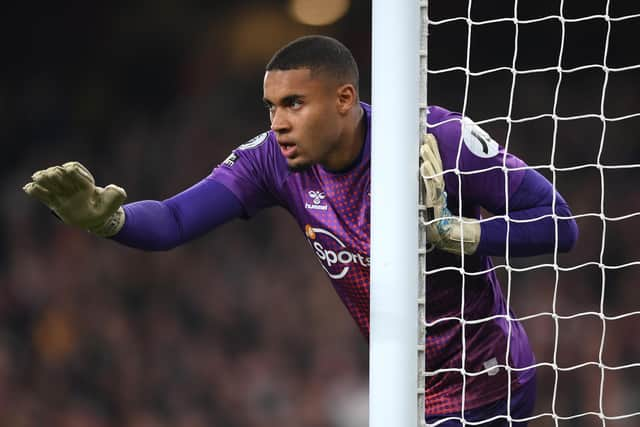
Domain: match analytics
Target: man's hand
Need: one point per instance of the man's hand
(445, 231)
(70, 192)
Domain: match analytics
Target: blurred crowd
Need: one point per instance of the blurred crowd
(241, 327)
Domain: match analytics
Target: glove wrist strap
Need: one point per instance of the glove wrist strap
(111, 226)
(451, 236)
(470, 231)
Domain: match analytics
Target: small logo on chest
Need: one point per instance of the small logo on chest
(317, 201)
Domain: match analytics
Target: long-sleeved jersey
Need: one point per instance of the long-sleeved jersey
(332, 210)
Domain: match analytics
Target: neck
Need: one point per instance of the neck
(351, 142)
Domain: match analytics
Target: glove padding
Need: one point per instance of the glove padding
(70, 192)
(445, 231)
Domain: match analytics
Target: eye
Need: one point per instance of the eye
(293, 102)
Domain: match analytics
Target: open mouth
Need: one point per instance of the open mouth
(288, 150)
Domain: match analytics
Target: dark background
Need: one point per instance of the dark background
(242, 328)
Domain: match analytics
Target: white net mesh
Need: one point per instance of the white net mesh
(557, 83)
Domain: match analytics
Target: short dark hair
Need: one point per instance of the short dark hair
(318, 54)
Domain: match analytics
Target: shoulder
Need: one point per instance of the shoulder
(459, 137)
(258, 158)
(263, 150)
(446, 126)
(259, 146)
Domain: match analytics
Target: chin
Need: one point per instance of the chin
(299, 166)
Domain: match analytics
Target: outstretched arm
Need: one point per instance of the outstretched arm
(160, 225)
(70, 192)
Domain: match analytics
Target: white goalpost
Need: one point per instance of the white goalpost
(393, 376)
(556, 83)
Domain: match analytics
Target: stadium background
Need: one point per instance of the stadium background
(241, 328)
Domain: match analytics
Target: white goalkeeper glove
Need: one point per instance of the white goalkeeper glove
(445, 231)
(70, 192)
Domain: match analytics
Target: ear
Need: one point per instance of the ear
(346, 98)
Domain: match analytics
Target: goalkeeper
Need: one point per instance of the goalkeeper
(315, 162)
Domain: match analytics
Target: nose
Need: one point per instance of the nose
(279, 122)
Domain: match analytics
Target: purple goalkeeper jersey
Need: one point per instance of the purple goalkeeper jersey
(332, 210)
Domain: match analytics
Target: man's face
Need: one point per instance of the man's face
(304, 115)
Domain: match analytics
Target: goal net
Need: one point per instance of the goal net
(557, 83)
